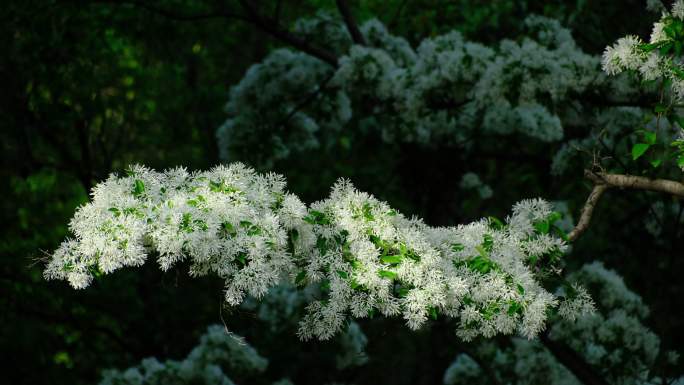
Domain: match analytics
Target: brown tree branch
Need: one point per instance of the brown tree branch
(273, 28)
(636, 182)
(603, 182)
(587, 211)
(252, 16)
(177, 16)
(572, 361)
(349, 21)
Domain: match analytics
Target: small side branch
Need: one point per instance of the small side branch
(572, 361)
(348, 18)
(587, 211)
(603, 182)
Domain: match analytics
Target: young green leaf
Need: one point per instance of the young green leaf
(639, 149)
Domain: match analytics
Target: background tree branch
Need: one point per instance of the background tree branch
(349, 21)
(603, 182)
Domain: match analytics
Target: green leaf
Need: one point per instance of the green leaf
(228, 229)
(482, 251)
(433, 312)
(560, 233)
(391, 259)
(387, 274)
(554, 216)
(665, 48)
(456, 247)
(496, 223)
(316, 218)
(650, 137)
(639, 149)
(325, 285)
(680, 161)
(301, 278)
(342, 274)
(660, 108)
(521, 289)
(115, 211)
(542, 227)
(648, 47)
(656, 162)
(488, 243)
(241, 258)
(138, 188)
(514, 307)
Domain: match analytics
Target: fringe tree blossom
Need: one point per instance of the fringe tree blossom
(217, 353)
(660, 58)
(360, 256)
(221, 355)
(613, 340)
(471, 181)
(443, 90)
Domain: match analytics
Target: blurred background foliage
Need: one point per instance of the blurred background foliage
(91, 87)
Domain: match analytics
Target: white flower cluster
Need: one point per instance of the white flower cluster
(613, 340)
(471, 181)
(443, 90)
(523, 362)
(353, 344)
(660, 58)
(229, 221)
(361, 256)
(217, 353)
(265, 107)
(281, 309)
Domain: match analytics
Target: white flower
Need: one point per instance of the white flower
(623, 55)
(658, 34)
(652, 67)
(678, 9)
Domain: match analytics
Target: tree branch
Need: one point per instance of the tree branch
(587, 211)
(273, 28)
(572, 361)
(268, 25)
(349, 21)
(216, 14)
(603, 182)
(637, 182)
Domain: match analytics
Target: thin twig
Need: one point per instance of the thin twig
(349, 21)
(270, 26)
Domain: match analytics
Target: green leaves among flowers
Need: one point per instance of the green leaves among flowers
(222, 187)
(548, 226)
(391, 259)
(316, 218)
(138, 188)
(387, 274)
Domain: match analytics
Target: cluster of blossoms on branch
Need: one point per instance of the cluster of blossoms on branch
(446, 90)
(360, 256)
(614, 340)
(658, 62)
(659, 58)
